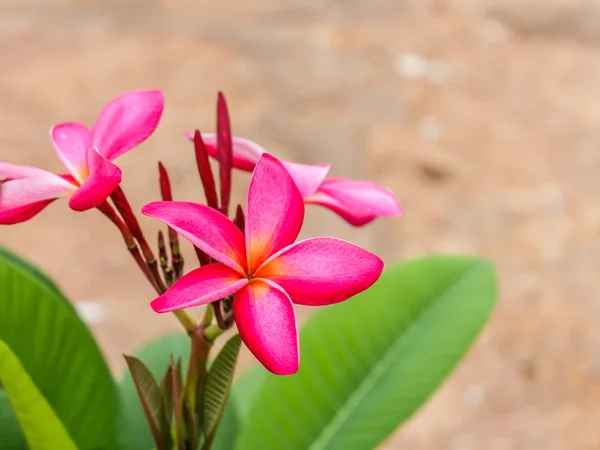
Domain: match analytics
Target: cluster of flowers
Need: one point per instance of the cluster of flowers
(253, 260)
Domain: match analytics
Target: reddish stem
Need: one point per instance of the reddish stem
(167, 196)
(124, 208)
(164, 260)
(109, 212)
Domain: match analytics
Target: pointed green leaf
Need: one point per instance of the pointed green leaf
(152, 402)
(38, 421)
(229, 427)
(166, 391)
(369, 363)
(218, 384)
(177, 397)
(60, 355)
(156, 356)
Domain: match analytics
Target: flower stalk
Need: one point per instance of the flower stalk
(132, 233)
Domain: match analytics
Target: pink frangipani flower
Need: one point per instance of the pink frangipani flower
(357, 202)
(86, 154)
(265, 270)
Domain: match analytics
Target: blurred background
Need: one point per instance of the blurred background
(482, 116)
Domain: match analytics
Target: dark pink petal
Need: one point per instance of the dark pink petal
(358, 202)
(322, 271)
(199, 287)
(224, 152)
(21, 199)
(72, 141)
(102, 180)
(206, 228)
(127, 121)
(246, 153)
(307, 178)
(205, 171)
(275, 211)
(24, 213)
(266, 321)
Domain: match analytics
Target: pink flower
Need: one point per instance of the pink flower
(265, 270)
(357, 202)
(124, 123)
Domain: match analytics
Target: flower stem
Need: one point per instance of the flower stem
(167, 270)
(134, 250)
(149, 268)
(213, 332)
(218, 314)
(197, 370)
(208, 317)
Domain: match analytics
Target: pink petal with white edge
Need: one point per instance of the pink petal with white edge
(246, 153)
(275, 211)
(72, 141)
(266, 321)
(307, 178)
(358, 202)
(127, 121)
(206, 228)
(21, 199)
(322, 271)
(12, 171)
(102, 180)
(199, 287)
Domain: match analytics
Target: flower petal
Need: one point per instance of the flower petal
(275, 211)
(358, 202)
(246, 153)
(322, 271)
(224, 152)
(266, 321)
(307, 178)
(199, 287)
(72, 141)
(127, 121)
(206, 228)
(12, 171)
(24, 213)
(102, 180)
(23, 198)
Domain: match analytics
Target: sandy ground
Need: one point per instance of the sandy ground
(481, 115)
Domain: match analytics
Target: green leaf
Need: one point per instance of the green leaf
(11, 431)
(156, 356)
(60, 355)
(177, 384)
(246, 388)
(229, 427)
(166, 391)
(151, 400)
(218, 384)
(369, 363)
(36, 417)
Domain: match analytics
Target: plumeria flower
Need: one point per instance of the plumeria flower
(357, 202)
(264, 269)
(124, 123)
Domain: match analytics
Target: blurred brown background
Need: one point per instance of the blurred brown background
(482, 116)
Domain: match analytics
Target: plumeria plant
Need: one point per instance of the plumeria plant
(367, 363)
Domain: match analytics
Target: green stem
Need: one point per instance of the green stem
(213, 332)
(208, 317)
(197, 369)
(186, 321)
